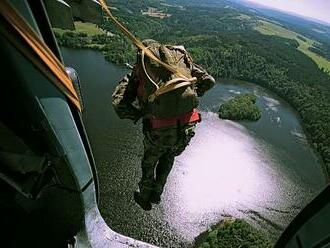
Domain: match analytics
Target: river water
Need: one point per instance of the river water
(264, 171)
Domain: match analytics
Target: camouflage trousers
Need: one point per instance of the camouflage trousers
(161, 146)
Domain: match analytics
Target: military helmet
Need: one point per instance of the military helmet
(153, 46)
(150, 42)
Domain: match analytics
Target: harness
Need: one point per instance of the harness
(190, 117)
(152, 122)
(170, 85)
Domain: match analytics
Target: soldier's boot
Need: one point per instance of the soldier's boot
(155, 196)
(143, 200)
(142, 197)
(163, 169)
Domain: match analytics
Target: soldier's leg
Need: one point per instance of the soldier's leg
(152, 153)
(163, 169)
(185, 134)
(165, 164)
(149, 162)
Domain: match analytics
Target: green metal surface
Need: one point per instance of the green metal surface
(60, 14)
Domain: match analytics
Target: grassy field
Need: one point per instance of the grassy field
(242, 17)
(88, 28)
(83, 27)
(268, 28)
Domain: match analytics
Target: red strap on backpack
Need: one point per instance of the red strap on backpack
(190, 117)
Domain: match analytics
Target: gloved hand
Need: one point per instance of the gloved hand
(129, 112)
(137, 117)
(134, 114)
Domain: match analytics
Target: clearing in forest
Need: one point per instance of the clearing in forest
(88, 28)
(154, 12)
(83, 27)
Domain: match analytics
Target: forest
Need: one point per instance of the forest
(241, 107)
(231, 233)
(321, 49)
(223, 40)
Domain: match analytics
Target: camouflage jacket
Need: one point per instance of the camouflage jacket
(125, 97)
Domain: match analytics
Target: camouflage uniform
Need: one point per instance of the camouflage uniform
(161, 145)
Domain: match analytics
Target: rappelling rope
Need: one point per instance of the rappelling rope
(182, 78)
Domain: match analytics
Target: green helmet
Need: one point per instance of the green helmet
(153, 46)
(150, 42)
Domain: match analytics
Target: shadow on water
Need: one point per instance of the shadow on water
(264, 172)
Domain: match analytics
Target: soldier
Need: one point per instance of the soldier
(167, 105)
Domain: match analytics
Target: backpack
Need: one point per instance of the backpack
(162, 93)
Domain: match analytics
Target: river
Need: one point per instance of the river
(264, 171)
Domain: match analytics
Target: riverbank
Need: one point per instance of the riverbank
(325, 167)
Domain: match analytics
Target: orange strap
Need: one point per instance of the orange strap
(27, 41)
(190, 117)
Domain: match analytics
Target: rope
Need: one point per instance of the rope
(173, 84)
(145, 70)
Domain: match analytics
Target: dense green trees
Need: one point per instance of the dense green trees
(231, 233)
(72, 39)
(224, 42)
(321, 49)
(115, 48)
(241, 107)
